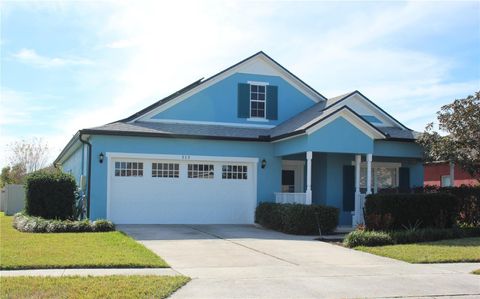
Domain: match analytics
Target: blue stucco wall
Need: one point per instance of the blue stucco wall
(74, 164)
(268, 180)
(219, 102)
(397, 149)
(339, 136)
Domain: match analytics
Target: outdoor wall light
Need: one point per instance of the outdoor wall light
(264, 163)
(100, 157)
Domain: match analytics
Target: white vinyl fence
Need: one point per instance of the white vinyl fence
(12, 199)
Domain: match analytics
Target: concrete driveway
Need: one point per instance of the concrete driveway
(235, 261)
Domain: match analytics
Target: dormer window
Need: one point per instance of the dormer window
(258, 96)
(257, 101)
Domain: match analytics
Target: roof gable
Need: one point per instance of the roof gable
(259, 64)
(366, 108)
(348, 115)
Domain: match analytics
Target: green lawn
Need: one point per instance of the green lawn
(446, 251)
(71, 250)
(476, 272)
(90, 287)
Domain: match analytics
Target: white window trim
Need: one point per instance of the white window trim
(449, 179)
(256, 118)
(258, 83)
(382, 165)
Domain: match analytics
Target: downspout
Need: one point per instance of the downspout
(89, 145)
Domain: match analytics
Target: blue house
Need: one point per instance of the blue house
(210, 152)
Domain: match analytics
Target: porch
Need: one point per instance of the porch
(343, 180)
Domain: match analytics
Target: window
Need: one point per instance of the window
(165, 170)
(382, 177)
(234, 172)
(200, 171)
(446, 182)
(128, 169)
(258, 95)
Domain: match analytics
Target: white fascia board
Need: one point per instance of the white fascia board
(238, 69)
(351, 118)
(116, 155)
(77, 144)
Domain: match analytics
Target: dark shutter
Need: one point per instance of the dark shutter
(243, 100)
(348, 188)
(404, 179)
(272, 102)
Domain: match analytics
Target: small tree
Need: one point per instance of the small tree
(12, 175)
(461, 121)
(31, 154)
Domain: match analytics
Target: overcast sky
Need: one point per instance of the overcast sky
(72, 65)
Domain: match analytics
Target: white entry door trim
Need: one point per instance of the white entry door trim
(298, 168)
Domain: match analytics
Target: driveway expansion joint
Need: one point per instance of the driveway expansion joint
(245, 246)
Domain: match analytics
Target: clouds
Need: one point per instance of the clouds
(30, 56)
(118, 57)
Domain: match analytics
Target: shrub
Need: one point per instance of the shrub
(468, 201)
(50, 195)
(421, 209)
(269, 215)
(102, 226)
(379, 238)
(367, 238)
(32, 224)
(296, 218)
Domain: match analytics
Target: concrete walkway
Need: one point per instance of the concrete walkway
(231, 261)
(89, 271)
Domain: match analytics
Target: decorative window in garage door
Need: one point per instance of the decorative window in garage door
(234, 172)
(165, 170)
(200, 171)
(128, 169)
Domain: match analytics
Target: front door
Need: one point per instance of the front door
(292, 176)
(288, 181)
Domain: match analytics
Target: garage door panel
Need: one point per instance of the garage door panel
(179, 200)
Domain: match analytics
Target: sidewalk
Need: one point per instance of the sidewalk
(90, 271)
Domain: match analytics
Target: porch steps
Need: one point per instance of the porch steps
(338, 234)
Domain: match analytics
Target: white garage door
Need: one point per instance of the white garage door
(169, 191)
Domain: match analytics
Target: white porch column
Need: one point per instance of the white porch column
(308, 192)
(369, 174)
(452, 174)
(356, 216)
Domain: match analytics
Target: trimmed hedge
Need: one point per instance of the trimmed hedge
(402, 211)
(380, 238)
(468, 201)
(50, 195)
(31, 224)
(297, 219)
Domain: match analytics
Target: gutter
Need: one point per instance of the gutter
(89, 145)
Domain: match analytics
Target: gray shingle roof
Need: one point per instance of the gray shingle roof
(296, 124)
(183, 129)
